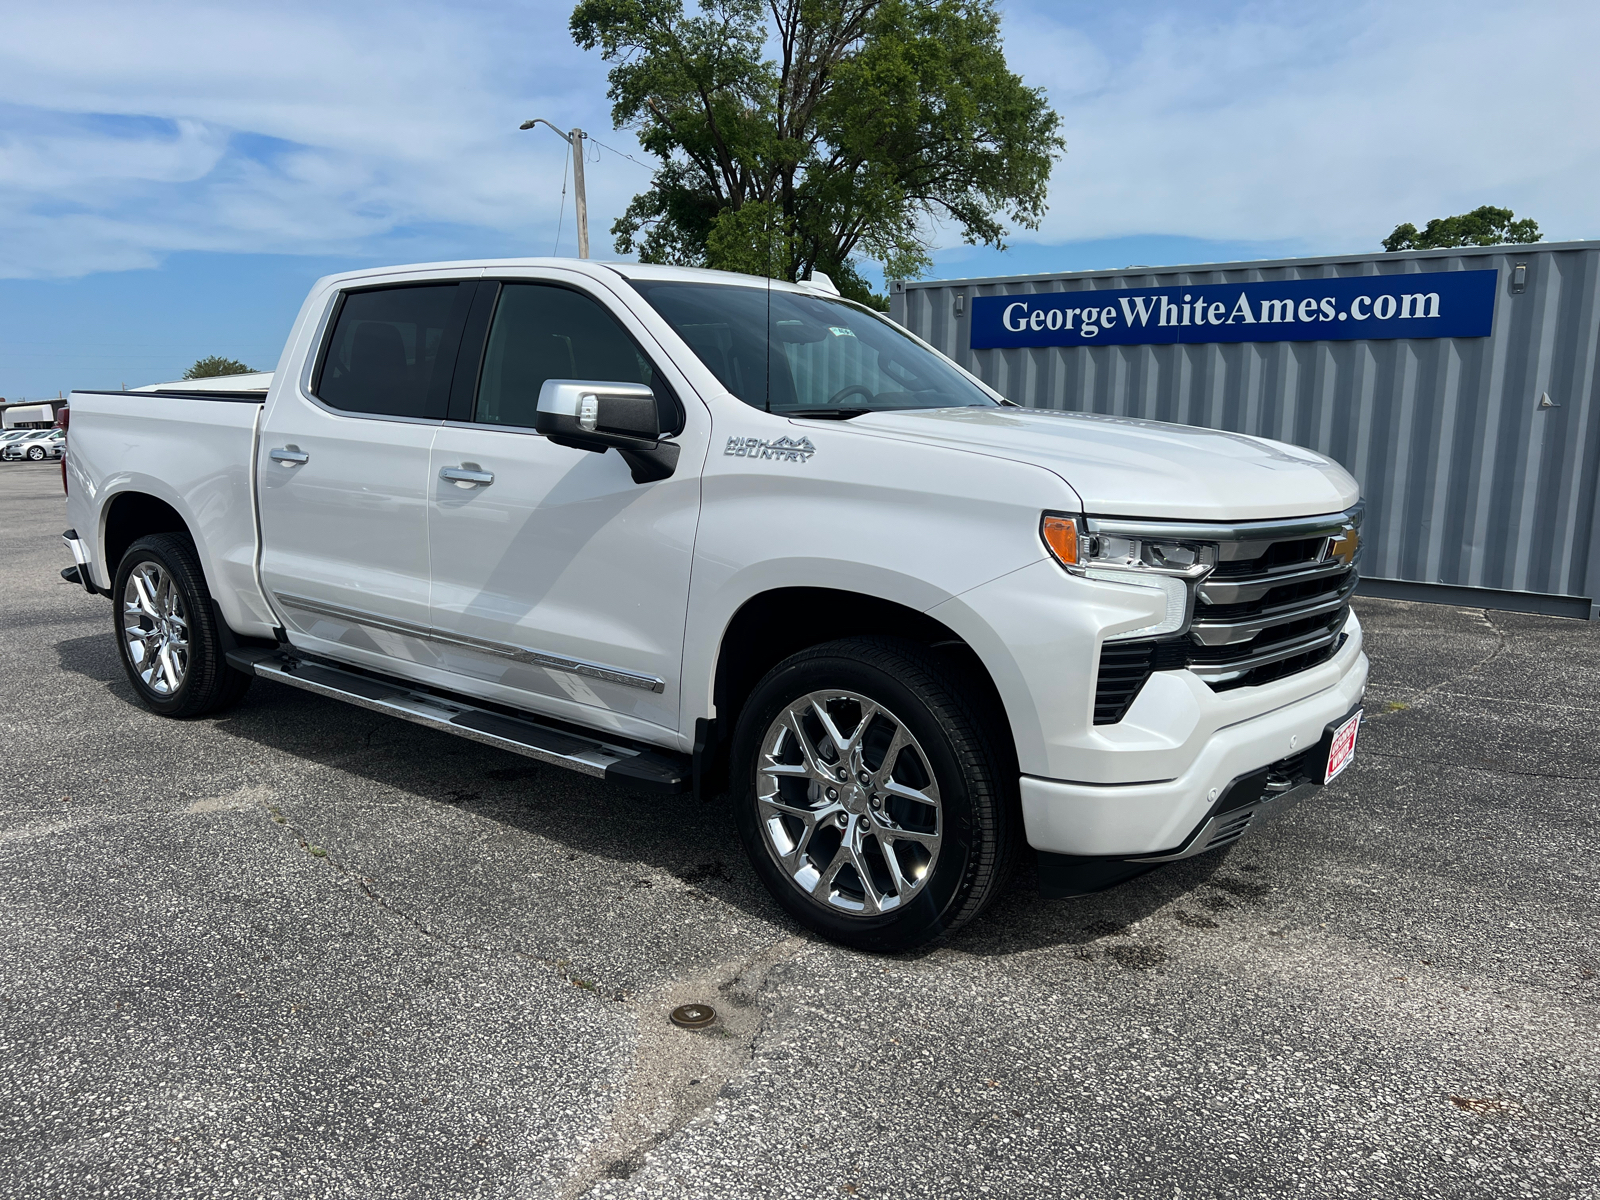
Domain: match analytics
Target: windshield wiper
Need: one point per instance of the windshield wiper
(829, 414)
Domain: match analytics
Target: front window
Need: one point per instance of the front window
(543, 332)
(808, 356)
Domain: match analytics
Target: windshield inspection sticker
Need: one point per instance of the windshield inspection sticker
(841, 331)
(786, 449)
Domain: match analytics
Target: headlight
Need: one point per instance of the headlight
(1171, 568)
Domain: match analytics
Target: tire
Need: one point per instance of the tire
(162, 603)
(811, 833)
(35, 453)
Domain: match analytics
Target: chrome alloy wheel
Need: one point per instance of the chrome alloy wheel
(155, 628)
(847, 803)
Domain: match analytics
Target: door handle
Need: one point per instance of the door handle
(467, 475)
(289, 456)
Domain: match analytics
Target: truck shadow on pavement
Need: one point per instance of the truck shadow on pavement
(692, 840)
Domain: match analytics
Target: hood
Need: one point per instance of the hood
(1124, 467)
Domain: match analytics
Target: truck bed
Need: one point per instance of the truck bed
(195, 451)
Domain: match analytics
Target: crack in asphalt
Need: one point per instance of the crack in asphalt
(1419, 699)
(679, 1073)
(365, 883)
(1467, 766)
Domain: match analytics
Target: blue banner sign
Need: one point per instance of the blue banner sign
(1436, 305)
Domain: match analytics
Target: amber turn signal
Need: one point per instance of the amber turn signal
(1061, 535)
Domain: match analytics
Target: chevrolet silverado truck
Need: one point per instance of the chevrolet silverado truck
(694, 531)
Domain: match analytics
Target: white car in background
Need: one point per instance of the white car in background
(38, 445)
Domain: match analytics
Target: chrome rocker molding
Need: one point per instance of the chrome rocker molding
(587, 754)
(520, 654)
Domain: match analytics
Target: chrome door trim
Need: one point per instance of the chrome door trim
(520, 654)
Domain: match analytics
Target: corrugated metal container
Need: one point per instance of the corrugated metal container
(1478, 457)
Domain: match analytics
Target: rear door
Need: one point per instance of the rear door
(564, 582)
(343, 475)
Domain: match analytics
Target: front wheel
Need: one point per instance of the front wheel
(167, 632)
(36, 453)
(873, 800)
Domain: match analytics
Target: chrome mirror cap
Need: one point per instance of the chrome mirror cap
(601, 416)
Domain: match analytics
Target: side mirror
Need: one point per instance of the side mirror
(608, 416)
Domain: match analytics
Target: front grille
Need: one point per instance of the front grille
(1270, 608)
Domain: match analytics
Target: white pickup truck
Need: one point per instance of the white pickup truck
(690, 530)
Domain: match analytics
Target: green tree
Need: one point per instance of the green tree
(214, 365)
(1485, 226)
(810, 134)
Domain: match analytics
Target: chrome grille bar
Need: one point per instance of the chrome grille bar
(1233, 668)
(1293, 529)
(1244, 629)
(1242, 589)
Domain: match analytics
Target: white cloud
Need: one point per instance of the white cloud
(294, 128)
(1330, 124)
(137, 130)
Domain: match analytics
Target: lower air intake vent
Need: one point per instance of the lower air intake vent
(1123, 670)
(1124, 667)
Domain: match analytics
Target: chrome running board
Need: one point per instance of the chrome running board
(588, 754)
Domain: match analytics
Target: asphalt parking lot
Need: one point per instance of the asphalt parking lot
(302, 950)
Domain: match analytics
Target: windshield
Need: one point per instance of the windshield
(827, 358)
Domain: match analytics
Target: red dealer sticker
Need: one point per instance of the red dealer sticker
(1343, 750)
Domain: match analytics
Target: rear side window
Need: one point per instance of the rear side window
(392, 351)
(542, 332)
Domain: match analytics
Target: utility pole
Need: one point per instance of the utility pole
(580, 199)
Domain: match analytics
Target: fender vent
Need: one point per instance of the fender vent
(1124, 667)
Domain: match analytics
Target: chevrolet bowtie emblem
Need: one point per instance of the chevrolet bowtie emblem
(1343, 545)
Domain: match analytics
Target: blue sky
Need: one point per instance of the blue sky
(173, 175)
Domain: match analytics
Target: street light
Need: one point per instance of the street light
(581, 202)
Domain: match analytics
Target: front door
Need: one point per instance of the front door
(564, 581)
(343, 477)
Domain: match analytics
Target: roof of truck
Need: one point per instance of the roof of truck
(628, 270)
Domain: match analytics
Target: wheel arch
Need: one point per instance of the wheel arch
(771, 625)
(130, 515)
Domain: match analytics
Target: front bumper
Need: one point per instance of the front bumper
(1244, 803)
(1153, 819)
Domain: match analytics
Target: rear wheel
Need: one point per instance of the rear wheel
(167, 631)
(872, 798)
